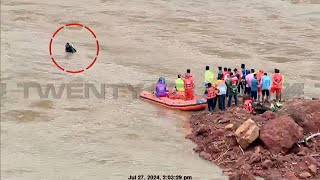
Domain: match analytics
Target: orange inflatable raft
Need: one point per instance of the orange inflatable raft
(198, 103)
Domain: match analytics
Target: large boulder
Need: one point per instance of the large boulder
(280, 134)
(269, 115)
(305, 113)
(247, 133)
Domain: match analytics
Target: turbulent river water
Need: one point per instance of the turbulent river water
(140, 40)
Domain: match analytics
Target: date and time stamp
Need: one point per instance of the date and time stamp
(159, 177)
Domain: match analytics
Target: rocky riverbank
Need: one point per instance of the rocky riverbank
(269, 145)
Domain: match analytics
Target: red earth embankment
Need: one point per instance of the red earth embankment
(264, 145)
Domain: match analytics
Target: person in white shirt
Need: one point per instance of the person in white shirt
(222, 91)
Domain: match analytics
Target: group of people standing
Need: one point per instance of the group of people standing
(229, 84)
(232, 83)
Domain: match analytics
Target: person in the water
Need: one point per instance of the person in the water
(70, 48)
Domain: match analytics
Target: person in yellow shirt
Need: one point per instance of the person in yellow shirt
(208, 76)
(178, 91)
(179, 84)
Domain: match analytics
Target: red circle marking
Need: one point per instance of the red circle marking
(57, 31)
(74, 71)
(50, 47)
(92, 63)
(97, 47)
(57, 64)
(74, 24)
(91, 32)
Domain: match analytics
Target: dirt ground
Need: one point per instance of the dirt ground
(281, 159)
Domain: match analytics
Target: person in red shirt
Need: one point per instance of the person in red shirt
(225, 71)
(227, 74)
(248, 105)
(276, 85)
(189, 73)
(229, 71)
(188, 86)
(259, 76)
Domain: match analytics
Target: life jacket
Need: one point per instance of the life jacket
(228, 74)
(224, 74)
(248, 105)
(189, 74)
(211, 93)
(208, 77)
(233, 84)
(188, 83)
(234, 81)
(180, 85)
(277, 77)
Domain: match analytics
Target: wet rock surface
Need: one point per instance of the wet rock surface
(281, 138)
(274, 154)
(304, 112)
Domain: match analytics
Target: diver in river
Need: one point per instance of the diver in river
(70, 48)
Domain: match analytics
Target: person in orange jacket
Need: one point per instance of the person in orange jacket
(188, 86)
(276, 85)
(211, 95)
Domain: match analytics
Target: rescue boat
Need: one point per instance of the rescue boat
(198, 103)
